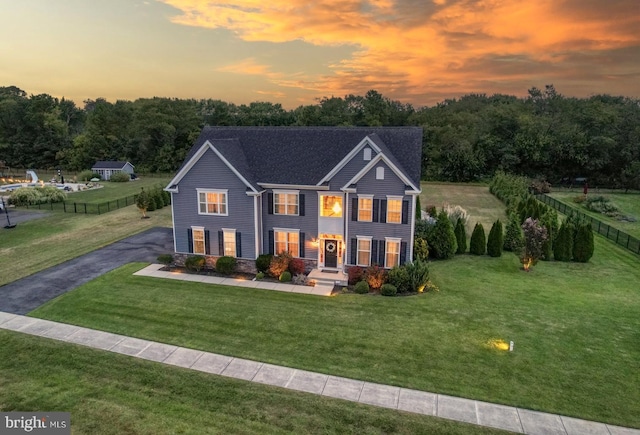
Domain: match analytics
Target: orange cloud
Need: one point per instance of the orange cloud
(426, 49)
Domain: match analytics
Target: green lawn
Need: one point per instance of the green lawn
(40, 243)
(112, 191)
(575, 328)
(627, 203)
(114, 394)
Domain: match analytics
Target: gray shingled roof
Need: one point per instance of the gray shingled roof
(109, 165)
(304, 155)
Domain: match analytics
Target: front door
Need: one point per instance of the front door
(331, 253)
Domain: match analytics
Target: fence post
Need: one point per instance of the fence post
(85, 208)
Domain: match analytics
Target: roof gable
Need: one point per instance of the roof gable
(381, 157)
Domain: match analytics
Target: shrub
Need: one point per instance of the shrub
(152, 203)
(580, 199)
(461, 237)
(375, 276)
(420, 249)
(51, 194)
(432, 211)
(540, 186)
(279, 263)
(534, 237)
(418, 209)
(285, 276)
(601, 204)
(563, 246)
(361, 287)
(24, 196)
(508, 188)
(418, 275)
(142, 202)
(166, 197)
(158, 197)
(495, 240)
(514, 238)
(355, 274)
(259, 276)
(194, 263)
(478, 244)
(87, 175)
(583, 243)
(296, 266)
(262, 262)
(442, 240)
(388, 290)
(300, 279)
(226, 265)
(120, 177)
(399, 277)
(165, 259)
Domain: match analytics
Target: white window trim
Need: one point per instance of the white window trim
(226, 231)
(380, 173)
(394, 198)
(193, 241)
(369, 239)
(226, 201)
(388, 240)
(286, 230)
(363, 196)
(286, 205)
(367, 154)
(339, 194)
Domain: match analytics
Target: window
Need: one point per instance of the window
(364, 252)
(285, 203)
(212, 202)
(229, 242)
(287, 241)
(394, 210)
(367, 153)
(392, 252)
(365, 208)
(380, 173)
(330, 206)
(198, 240)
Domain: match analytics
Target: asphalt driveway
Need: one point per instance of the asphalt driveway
(26, 294)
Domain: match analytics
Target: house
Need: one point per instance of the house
(107, 168)
(332, 196)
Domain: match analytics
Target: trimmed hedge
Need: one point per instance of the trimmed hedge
(388, 290)
(495, 240)
(478, 245)
(226, 265)
(361, 287)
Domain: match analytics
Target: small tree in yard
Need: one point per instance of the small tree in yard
(142, 202)
(563, 246)
(513, 239)
(461, 237)
(535, 235)
(443, 240)
(583, 243)
(478, 243)
(495, 240)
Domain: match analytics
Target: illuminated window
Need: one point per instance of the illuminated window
(213, 202)
(229, 242)
(364, 251)
(392, 252)
(287, 241)
(285, 203)
(365, 208)
(198, 240)
(394, 210)
(330, 206)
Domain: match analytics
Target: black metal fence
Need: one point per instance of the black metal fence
(85, 207)
(615, 235)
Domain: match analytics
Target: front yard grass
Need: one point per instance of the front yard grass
(575, 328)
(114, 394)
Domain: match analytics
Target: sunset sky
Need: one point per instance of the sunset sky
(294, 51)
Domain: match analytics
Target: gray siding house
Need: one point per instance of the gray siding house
(332, 196)
(108, 168)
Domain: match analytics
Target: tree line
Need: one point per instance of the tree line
(543, 135)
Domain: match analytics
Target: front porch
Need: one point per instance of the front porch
(327, 277)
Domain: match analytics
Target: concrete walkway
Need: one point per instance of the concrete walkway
(154, 271)
(419, 402)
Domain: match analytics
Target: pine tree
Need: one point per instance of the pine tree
(513, 239)
(495, 240)
(563, 246)
(443, 243)
(461, 237)
(478, 243)
(418, 209)
(583, 243)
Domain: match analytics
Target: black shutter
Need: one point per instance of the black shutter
(271, 242)
(374, 252)
(405, 212)
(354, 209)
(190, 240)
(376, 209)
(270, 203)
(221, 243)
(383, 211)
(403, 253)
(301, 244)
(354, 250)
(381, 252)
(301, 204)
(207, 244)
(238, 245)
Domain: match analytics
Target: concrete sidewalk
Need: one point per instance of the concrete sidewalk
(154, 271)
(420, 402)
